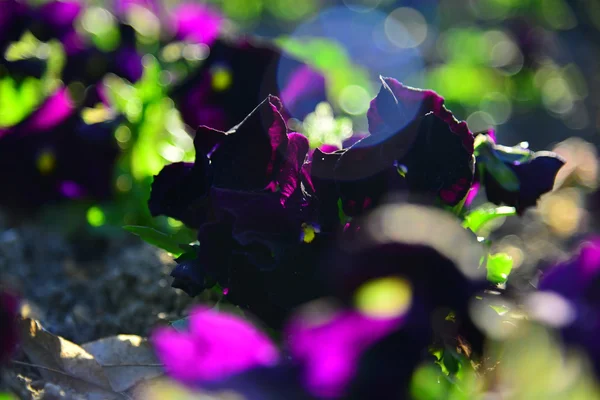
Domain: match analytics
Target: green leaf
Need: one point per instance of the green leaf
(476, 219)
(156, 238)
(498, 267)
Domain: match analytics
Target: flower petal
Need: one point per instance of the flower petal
(216, 347)
(179, 191)
(535, 178)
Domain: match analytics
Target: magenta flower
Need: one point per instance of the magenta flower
(216, 347)
(196, 23)
(329, 352)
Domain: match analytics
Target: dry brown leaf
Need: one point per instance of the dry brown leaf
(101, 370)
(64, 363)
(127, 360)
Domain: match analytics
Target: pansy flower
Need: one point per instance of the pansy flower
(53, 154)
(255, 158)
(420, 252)
(249, 194)
(217, 345)
(571, 291)
(414, 139)
(8, 328)
(237, 75)
(223, 352)
(515, 176)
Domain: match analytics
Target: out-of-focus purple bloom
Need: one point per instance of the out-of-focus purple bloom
(8, 330)
(516, 176)
(88, 64)
(577, 281)
(329, 351)
(55, 19)
(422, 246)
(53, 154)
(13, 17)
(216, 347)
(236, 76)
(196, 23)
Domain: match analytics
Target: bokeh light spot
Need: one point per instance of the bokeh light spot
(498, 106)
(222, 78)
(124, 183)
(480, 121)
(384, 298)
(406, 27)
(46, 162)
(195, 51)
(123, 134)
(95, 216)
(354, 100)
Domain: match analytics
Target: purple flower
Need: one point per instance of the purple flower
(236, 76)
(516, 176)
(216, 347)
(577, 282)
(55, 20)
(415, 142)
(53, 154)
(196, 23)
(258, 155)
(8, 329)
(222, 351)
(329, 351)
(88, 64)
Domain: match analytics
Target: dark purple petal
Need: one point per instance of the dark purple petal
(58, 17)
(577, 282)
(261, 218)
(535, 176)
(249, 156)
(439, 163)
(196, 23)
(179, 191)
(13, 22)
(329, 351)
(216, 347)
(128, 63)
(572, 278)
(289, 177)
(439, 258)
(8, 329)
(397, 105)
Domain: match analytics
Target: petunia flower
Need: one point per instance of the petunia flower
(414, 142)
(237, 75)
(217, 346)
(515, 176)
(8, 329)
(53, 155)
